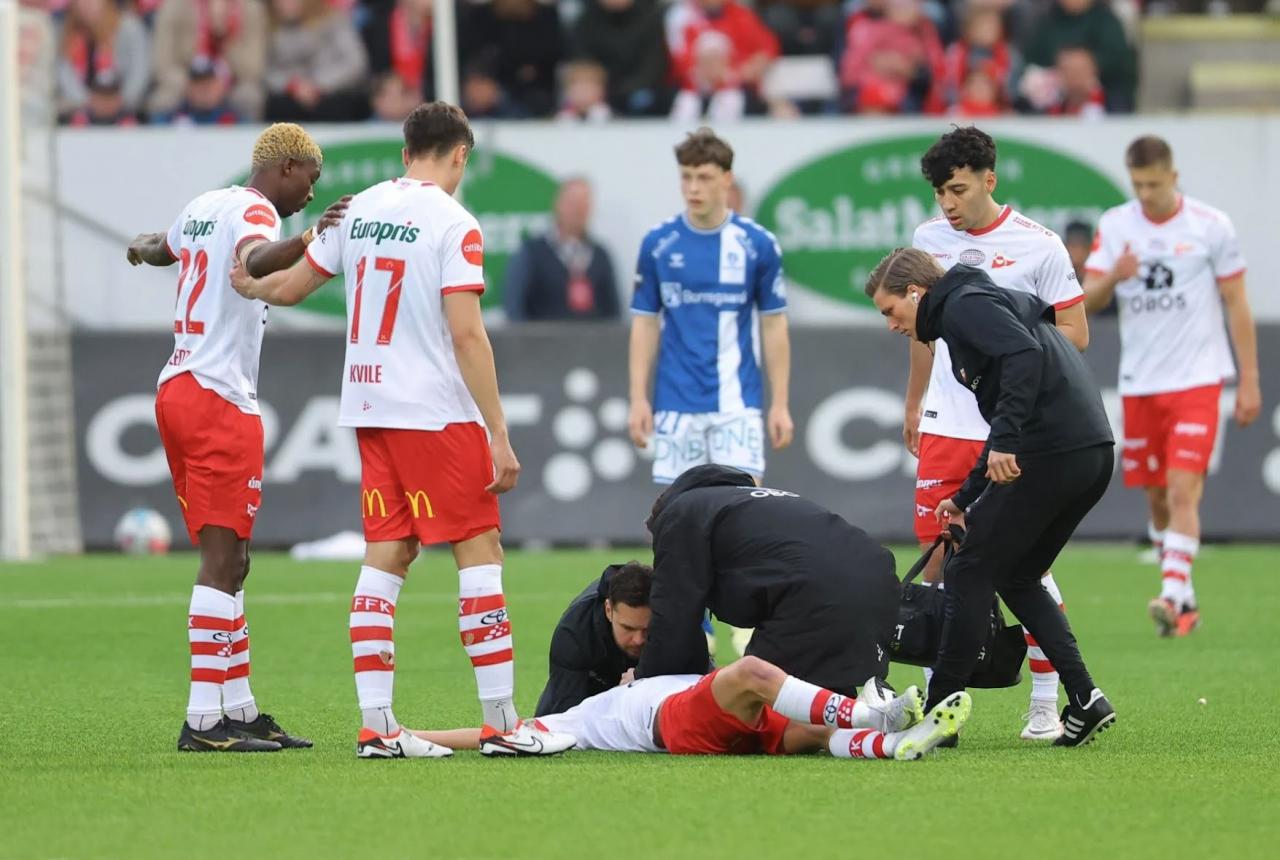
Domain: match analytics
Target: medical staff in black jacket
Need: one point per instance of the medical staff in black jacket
(1047, 462)
(600, 637)
(820, 593)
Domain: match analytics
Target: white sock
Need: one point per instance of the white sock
(808, 703)
(237, 698)
(372, 625)
(862, 743)
(1044, 678)
(209, 636)
(1175, 568)
(485, 630)
(1156, 536)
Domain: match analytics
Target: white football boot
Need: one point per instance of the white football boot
(877, 708)
(943, 722)
(1042, 722)
(403, 744)
(528, 738)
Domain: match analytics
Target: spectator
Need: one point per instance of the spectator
(397, 38)
(1089, 24)
(565, 274)
(981, 46)
(392, 99)
(980, 96)
(206, 100)
(482, 95)
(712, 91)
(804, 26)
(521, 42)
(626, 37)
(99, 39)
(316, 64)
(105, 105)
(893, 60)
(232, 34)
(583, 86)
(1079, 90)
(753, 45)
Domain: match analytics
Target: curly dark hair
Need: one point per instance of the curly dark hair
(957, 149)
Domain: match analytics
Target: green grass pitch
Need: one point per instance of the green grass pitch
(93, 684)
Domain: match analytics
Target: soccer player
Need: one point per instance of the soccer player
(710, 297)
(943, 426)
(1174, 265)
(209, 421)
(600, 637)
(419, 386)
(749, 707)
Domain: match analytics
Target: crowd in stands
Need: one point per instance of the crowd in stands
(228, 61)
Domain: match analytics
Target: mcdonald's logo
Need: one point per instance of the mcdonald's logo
(416, 500)
(367, 498)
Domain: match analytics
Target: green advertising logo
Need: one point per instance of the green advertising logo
(509, 197)
(837, 216)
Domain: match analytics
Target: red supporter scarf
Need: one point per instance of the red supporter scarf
(408, 53)
(208, 43)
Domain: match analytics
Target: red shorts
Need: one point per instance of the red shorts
(944, 465)
(215, 456)
(692, 723)
(428, 484)
(1173, 430)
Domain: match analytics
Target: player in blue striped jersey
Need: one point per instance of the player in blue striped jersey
(709, 299)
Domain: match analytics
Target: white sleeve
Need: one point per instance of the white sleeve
(1108, 245)
(1224, 250)
(325, 251)
(1056, 282)
(462, 258)
(174, 237)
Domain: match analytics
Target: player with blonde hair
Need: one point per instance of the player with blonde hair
(209, 420)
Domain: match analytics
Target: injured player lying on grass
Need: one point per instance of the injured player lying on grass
(748, 707)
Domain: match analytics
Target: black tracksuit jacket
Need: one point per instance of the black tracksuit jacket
(1031, 383)
(820, 593)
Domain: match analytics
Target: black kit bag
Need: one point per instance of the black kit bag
(919, 630)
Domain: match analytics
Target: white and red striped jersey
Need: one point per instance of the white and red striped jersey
(1172, 333)
(1018, 254)
(217, 333)
(402, 246)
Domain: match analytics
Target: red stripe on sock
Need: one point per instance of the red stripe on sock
(208, 676)
(374, 663)
(1031, 640)
(241, 671)
(1041, 667)
(210, 649)
(208, 622)
(818, 705)
(238, 624)
(476, 635)
(487, 603)
(855, 743)
(878, 746)
(240, 646)
(493, 659)
(367, 634)
(1173, 574)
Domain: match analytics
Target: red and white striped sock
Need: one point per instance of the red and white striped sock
(373, 612)
(1175, 568)
(209, 634)
(808, 703)
(861, 743)
(237, 698)
(1156, 536)
(1044, 678)
(485, 631)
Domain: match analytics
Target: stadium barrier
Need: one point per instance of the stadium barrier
(583, 482)
(838, 193)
